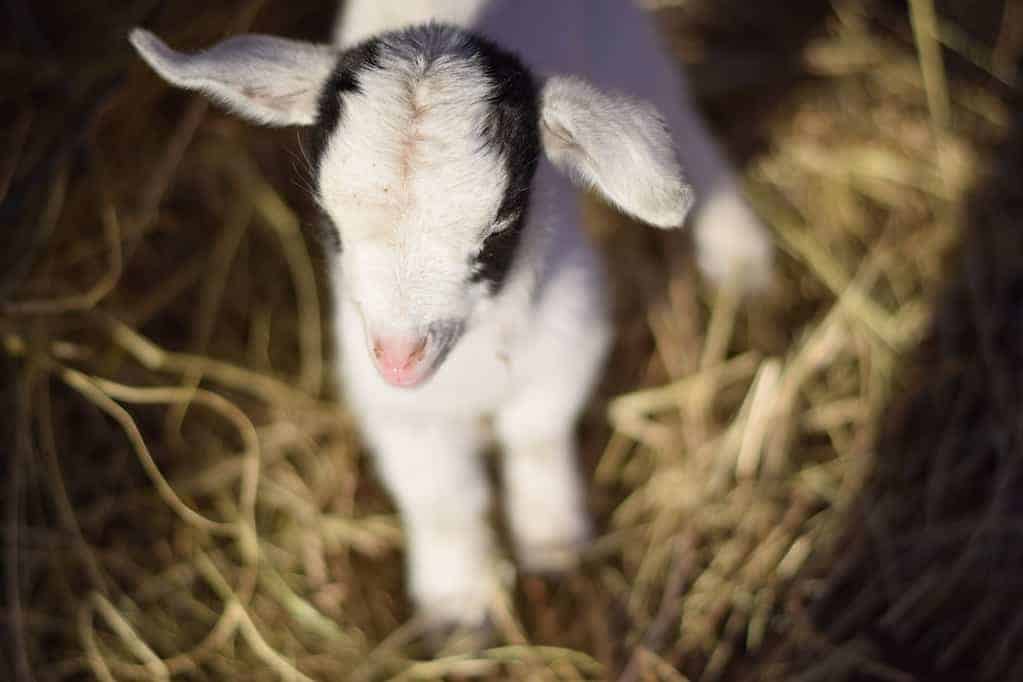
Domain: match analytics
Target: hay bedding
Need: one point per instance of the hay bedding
(183, 500)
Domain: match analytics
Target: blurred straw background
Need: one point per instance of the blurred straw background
(820, 484)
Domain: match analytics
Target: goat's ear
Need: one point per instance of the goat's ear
(264, 79)
(619, 145)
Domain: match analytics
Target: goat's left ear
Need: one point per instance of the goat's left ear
(267, 80)
(619, 145)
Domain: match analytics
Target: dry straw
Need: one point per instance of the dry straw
(184, 499)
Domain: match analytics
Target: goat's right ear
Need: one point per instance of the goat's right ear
(267, 80)
(619, 145)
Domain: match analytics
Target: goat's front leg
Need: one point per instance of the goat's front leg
(433, 471)
(544, 495)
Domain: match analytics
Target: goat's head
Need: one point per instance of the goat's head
(424, 147)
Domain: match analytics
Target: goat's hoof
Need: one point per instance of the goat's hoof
(462, 603)
(553, 555)
(454, 610)
(459, 639)
(550, 560)
(552, 543)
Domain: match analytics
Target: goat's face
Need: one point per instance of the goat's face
(425, 143)
(424, 152)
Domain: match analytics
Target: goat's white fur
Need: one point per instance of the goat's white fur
(411, 191)
(528, 361)
(613, 45)
(405, 180)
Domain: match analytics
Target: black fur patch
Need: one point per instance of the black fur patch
(345, 78)
(513, 129)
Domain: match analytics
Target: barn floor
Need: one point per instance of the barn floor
(822, 483)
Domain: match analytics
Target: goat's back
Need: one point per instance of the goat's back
(612, 43)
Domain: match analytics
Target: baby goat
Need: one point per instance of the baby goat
(464, 285)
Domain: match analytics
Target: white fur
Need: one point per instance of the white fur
(530, 362)
(414, 193)
(613, 45)
(265, 79)
(533, 368)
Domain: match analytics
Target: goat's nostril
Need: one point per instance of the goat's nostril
(417, 353)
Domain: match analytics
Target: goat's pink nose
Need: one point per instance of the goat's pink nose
(399, 358)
